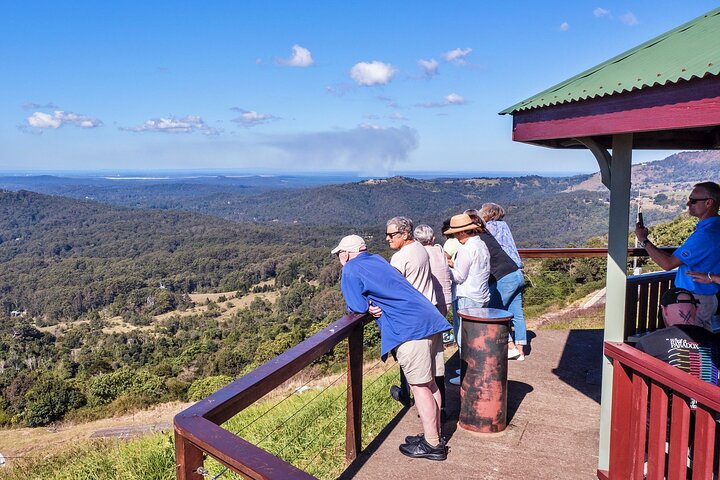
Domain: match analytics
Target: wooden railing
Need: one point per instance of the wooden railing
(198, 431)
(642, 300)
(649, 395)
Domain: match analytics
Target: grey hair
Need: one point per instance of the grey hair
(424, 234)
(712, 189)
(492, 211)
(403, 224)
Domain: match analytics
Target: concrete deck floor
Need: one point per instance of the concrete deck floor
(553, 422)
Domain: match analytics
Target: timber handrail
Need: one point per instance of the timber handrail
(642, 300)
(647, 396)
(581, 252)
(198, 431)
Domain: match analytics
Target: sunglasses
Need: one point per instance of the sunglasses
(392, 234)
(693, 201)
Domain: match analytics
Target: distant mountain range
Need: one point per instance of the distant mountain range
(542, 211)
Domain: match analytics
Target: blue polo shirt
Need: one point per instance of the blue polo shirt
(407, 314)
(700, 253)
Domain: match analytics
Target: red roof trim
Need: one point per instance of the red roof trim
(684, 105)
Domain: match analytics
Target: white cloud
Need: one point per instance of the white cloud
(629, 19)
(454, 99)
(458, 55)
(187, 124)
(397, 117)
(251, 118)
(564, 27)
(372, 73)
(301, 57)
(59, 118)
(449, 100)
(429, 67)
(370, 148)
(601, 12)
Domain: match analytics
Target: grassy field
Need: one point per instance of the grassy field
(306, 427)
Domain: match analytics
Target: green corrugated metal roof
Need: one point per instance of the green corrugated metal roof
(691, 50)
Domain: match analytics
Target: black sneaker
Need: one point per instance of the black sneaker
(399, 396)
(420, 436)
(414, 438)
(422, 449)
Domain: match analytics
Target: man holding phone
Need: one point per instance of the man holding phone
(699, 252)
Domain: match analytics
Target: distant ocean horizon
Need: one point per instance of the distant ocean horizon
(156, 175)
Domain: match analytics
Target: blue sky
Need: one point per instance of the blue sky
(373, 87)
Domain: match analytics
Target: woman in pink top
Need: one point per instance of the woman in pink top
(439, 269)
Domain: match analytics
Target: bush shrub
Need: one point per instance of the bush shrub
(205, 386)
(48, 400)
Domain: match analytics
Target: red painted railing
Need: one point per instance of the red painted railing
(648, 396)
(198, 430)
(642, 300)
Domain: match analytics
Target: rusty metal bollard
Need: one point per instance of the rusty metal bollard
(484, 366)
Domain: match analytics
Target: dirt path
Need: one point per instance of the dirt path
(21, 442)
(584, 307)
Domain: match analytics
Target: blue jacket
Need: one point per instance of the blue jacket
(407, 314)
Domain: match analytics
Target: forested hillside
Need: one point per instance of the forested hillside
(83, 262)
(63, 258)
(542, 211)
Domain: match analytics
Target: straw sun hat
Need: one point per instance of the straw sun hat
(460, 223)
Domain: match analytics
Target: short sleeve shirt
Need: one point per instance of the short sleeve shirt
(413, 262)
(687, 347)
(700, 252)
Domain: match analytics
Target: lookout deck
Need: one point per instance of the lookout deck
(553, 418)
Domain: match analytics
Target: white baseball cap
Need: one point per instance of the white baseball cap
(351, 243)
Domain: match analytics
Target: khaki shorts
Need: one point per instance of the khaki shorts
(706, 310)
(420, 359)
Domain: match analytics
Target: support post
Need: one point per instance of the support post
(353, 418)
(620, 170)
(188, 459)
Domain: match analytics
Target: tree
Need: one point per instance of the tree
(48, 400)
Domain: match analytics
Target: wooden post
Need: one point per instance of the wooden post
(188, 459)
(620, 460)
(353, 419)
(620, 169)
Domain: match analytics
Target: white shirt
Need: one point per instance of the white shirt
(472, 271)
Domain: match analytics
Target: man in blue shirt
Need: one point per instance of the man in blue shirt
(700, 251)
(409, 324)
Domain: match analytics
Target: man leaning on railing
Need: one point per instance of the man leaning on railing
(408, 323)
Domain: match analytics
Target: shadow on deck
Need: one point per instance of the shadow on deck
(553, 422)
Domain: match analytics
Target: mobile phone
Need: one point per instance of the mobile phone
(640, 220)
